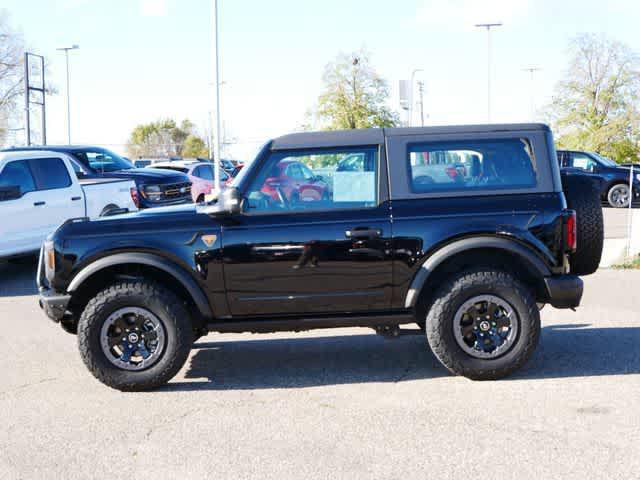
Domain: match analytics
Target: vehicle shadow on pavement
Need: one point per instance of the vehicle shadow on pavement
(576, 350)
(307, 362)
(18, 277)
(564, 351)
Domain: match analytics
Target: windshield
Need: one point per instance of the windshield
(102, 160)
(606, 161)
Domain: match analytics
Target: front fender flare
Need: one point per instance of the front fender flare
(140, 258)
(466, 244)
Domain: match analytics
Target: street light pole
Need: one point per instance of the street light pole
(413, 75)
(421, 92)
(216, 150)
(532, 106)
(488, 26)
(66, 58)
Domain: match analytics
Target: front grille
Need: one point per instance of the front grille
(176, 190)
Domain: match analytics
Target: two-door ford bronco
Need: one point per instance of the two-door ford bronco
(466, 231)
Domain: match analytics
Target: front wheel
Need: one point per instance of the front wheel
(483, 324)
(134, 335)
(619, 196)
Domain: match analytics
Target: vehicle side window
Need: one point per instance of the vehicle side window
(319, 183)
(206, 172)
(580, 160)
(50, 173)
(18, 173)
(471, 165)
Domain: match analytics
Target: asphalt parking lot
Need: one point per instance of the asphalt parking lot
(329, 404)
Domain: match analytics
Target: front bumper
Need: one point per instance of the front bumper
(146, 203)
(54, 304)
(564, 291)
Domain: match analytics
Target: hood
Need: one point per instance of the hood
(150, 175)
(184, 209)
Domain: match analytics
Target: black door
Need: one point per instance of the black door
(318, 244)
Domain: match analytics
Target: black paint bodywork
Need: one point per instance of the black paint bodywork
(325, 264)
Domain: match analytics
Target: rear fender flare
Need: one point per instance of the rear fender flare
(467, 244)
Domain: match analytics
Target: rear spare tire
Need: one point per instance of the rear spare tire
(583, 196)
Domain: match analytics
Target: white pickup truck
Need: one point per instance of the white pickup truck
(39, 191)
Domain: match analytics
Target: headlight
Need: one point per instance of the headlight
(152, 192)
(49, 260)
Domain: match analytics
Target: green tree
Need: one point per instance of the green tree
(595, 107)
(164, 138)
(354, 95)
(194, 146)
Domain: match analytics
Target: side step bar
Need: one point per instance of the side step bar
(309, 323)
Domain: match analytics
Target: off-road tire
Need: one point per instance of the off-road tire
(161, 302)
(456, 291)
(583, 196)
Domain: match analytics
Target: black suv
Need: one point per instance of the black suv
(464, 231)
(155, 188)
(613, 179)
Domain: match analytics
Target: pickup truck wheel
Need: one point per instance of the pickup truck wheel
(618, 196)
(583, 196)
(134, 335)
(483, 324)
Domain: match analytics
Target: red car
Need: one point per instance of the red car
(296, 181)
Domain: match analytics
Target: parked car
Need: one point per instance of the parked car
(200, 175)
(39, 191)
(156, 188)
(471, 263)
(612, 178)
(295, 182)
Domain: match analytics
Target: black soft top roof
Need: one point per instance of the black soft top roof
(376, 136)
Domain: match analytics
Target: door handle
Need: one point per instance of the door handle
(73, 199)
(363, 232)
(39, 204)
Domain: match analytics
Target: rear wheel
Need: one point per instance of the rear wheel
(483, 324)
(134, 335)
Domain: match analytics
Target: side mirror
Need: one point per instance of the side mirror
(10, 192)
(228, 203)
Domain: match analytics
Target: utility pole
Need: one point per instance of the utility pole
(216, 151)
(66, 58)
(532, 105)
(488, 26)
(421, 92)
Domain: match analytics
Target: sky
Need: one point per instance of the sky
(141, 60)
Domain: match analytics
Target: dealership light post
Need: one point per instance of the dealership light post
(66, 58)
(531, 71)
(216, 144)
(488, 26)
(411, 87)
